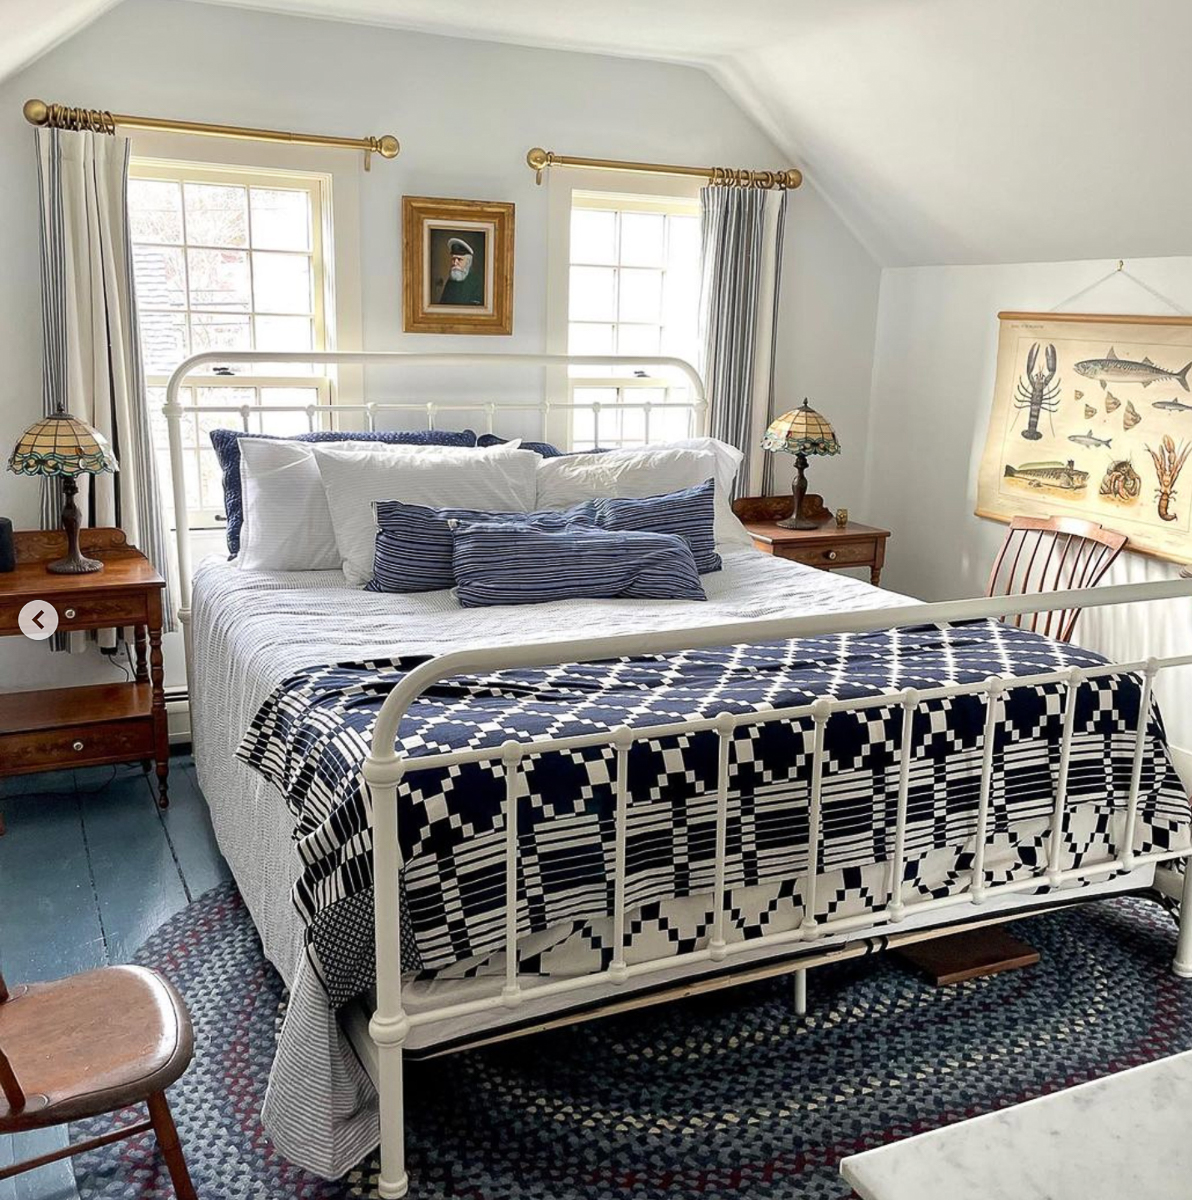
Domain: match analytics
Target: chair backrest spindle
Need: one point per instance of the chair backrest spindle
(1060, 553)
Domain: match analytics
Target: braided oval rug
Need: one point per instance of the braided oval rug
(726, 1095)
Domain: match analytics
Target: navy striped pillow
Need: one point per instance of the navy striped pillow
(689, 513)
(413, 547)
(500, 562)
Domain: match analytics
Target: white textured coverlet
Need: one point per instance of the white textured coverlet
(253, 629)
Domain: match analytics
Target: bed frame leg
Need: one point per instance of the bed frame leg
(801, 993)
(393, 1182)
(1183, 947)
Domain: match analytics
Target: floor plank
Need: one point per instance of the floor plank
(55, 1182)
(137, 881)
(45, 877)
(188, 826)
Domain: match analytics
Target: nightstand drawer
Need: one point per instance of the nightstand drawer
(77, 745)
(847, 554)
(87, 611)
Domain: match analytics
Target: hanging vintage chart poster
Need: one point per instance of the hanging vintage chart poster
(1092, 417)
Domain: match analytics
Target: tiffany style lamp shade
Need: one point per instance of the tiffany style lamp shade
(801, 432)
(62, 446)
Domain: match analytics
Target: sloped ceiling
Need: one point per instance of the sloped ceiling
(943, 131)
(30, 28)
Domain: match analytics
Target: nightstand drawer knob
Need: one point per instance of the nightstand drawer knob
(77, 747)
(69, 614)
(832, 556)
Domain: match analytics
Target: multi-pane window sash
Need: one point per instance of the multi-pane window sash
(228, 259)
(634, 289)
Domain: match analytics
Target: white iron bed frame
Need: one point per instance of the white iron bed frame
(380, 1041)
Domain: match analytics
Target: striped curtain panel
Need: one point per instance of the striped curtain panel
(91, 346)
(741, 264)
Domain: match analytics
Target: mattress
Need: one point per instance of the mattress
(251, 631)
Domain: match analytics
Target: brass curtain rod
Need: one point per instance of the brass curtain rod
(60, 116)
(539, 159)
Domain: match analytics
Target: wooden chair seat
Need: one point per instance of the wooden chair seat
(91, 1044)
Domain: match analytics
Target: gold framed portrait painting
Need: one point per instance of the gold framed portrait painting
(457, 266)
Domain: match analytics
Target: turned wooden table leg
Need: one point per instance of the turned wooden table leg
(161, 736)
(142, 654)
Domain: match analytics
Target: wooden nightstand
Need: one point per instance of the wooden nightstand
(828, 547)
(104, 723)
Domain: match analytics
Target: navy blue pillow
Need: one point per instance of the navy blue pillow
(227, 450)
(689, 513)
(414, 542)
(499, 562)
(543, 448)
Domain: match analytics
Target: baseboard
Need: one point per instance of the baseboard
(178, 715)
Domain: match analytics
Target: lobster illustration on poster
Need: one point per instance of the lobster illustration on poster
(1092, 418)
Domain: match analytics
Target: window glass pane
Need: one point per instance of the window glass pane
(280, 219)
(219, 331)
(281, 283)
(160, 277)
(643, 239)
(224, 397)
(590, 338)
(219, 279)
(683, 245)
(284, 333)
(637, 339)
(593, 236)
(289, 396)
(164, 342)
(284, 424)
(593, 294)
(216, 215)
(211, 493)
(640, 296)
(155, 210)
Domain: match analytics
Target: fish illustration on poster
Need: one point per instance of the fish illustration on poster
(1092, 418)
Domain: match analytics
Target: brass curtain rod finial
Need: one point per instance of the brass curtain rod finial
(37, 112)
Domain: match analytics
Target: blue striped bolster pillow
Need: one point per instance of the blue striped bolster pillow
(689, 514)
(500, 562)
(413, 547)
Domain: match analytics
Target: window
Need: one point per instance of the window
(633, 289)
(226, 259)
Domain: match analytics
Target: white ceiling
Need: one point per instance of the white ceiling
(943, 131)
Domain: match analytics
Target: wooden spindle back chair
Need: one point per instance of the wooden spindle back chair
(1042, 554)
(92, 1044)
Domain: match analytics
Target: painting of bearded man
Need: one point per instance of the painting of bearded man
(457, 265)
(465, 265)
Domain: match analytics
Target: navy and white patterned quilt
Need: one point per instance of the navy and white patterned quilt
(312, 735)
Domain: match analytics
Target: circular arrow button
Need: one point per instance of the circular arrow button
(38, 620)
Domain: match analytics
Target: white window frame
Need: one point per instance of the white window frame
(626, 192)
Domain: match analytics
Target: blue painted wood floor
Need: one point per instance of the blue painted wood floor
(89, 868)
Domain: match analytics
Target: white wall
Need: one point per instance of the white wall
(466, 112)
(933, 377)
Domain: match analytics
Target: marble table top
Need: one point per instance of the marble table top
(1123, 1136)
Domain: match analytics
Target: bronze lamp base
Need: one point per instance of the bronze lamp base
(75, 562)
(798, 520)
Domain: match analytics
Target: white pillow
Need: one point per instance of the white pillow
(646, 471)
(287, 524)
(495, 479)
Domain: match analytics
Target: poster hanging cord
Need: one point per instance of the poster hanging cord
(1120, 269)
